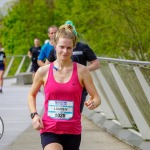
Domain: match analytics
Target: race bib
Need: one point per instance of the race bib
(60, 109)
(78, 53)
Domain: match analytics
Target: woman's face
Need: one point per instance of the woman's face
(64, 48)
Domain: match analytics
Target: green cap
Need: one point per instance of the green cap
(71, 23)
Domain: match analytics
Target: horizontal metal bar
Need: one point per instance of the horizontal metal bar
(129, 62)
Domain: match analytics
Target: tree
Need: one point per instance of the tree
(25, 21)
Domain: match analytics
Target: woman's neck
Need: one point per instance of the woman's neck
(59, 65)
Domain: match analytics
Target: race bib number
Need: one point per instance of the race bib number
(60, 109)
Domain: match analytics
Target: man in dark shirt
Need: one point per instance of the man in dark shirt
(82, 54)
(33, 54)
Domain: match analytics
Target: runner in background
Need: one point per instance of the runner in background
(33, 54)
(2, 66)
(48, 46)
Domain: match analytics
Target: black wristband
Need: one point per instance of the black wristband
(33, 114)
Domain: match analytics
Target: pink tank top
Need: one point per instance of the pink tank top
(62, 104)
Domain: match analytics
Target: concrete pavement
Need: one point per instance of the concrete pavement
(19, 134)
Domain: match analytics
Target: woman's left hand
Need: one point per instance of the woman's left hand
(90, 104)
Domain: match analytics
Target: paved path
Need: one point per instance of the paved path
(19, 134)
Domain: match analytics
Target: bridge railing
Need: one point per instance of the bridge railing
(124, 87)
(17, 64)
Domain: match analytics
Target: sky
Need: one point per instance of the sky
(4, 5)
(2, 2)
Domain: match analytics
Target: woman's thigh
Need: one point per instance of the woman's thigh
(53, 146)
(71, 141)
(60, 141)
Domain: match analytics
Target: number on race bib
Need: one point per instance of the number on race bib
(58, 115)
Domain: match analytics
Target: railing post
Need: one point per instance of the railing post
(8, 68)
(20, 66)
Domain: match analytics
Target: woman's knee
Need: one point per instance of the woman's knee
(53, 146)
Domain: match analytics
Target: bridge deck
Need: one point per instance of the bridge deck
(19, 134)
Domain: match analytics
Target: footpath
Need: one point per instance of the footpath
(19, 134)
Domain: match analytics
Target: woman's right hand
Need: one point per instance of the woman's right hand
(37, 123)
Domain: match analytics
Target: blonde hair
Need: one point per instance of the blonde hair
(65, 31)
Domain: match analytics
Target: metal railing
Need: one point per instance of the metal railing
(124, 87)
(17, 64)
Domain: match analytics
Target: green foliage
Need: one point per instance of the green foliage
(24, 22)
(112, 28)
(1, 16)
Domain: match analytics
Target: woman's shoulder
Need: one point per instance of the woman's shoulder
(82, 68)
